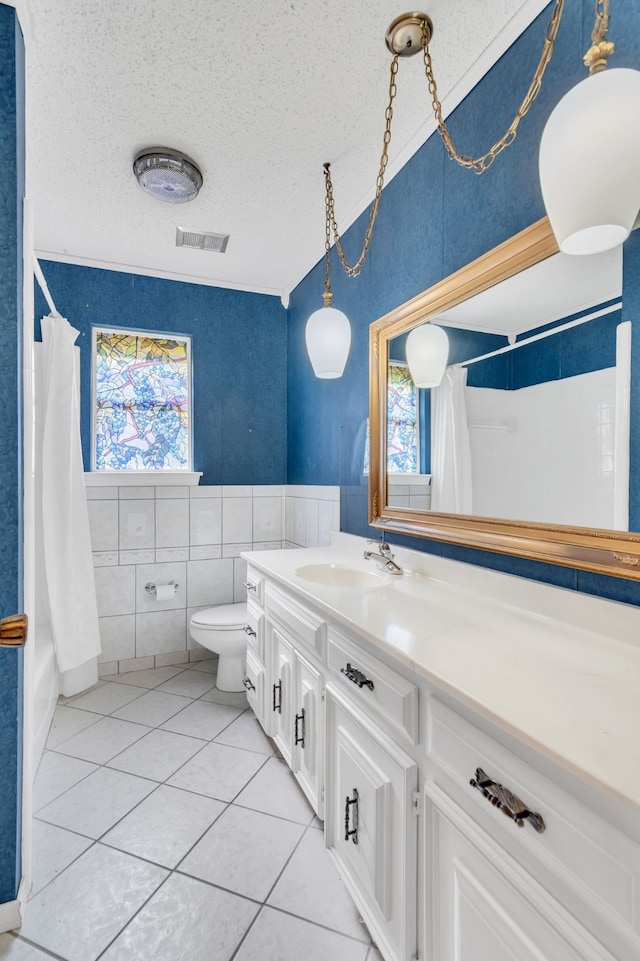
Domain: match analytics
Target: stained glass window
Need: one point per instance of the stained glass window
(142, 393)
(402, 421)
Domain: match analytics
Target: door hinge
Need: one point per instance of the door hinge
(322, 794)
(417, 806)
(322, 693)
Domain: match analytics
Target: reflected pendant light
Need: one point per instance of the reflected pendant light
(589, 155)
(328, 332)
(427, 355)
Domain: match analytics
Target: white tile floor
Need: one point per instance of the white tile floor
(167, 828)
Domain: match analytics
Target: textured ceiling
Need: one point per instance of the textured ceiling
(259, 103)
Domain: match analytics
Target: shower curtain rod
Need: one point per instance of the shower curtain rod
(546, 333)
(37, 269)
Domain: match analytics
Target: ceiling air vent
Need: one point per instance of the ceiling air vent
(216, 243)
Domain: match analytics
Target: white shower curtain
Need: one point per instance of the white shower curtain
(451, 491)
(67, 546)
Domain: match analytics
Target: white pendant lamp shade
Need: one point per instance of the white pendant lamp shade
(589, 162)
(328, 338)
(427, 355)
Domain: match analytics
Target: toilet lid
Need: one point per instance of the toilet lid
(224, 617)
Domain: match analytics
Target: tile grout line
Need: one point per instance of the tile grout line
(176, 870)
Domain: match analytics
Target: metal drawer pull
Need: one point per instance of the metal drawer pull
(348, 831)
(502, 798)
(249, 630)
(356, 676)
(250, 587)
(299, 738)
(277, 706)
(248, 683)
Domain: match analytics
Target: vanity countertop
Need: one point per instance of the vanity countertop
(558, 670)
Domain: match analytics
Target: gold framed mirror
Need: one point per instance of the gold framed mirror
(584, 543)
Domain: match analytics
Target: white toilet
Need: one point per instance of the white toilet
(220, 629)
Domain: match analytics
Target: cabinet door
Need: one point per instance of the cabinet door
(254, 684)
(308, 747)
(480, 912)
(282, 694)
(370, 827)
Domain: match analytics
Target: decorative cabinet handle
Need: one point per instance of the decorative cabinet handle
(502, 798)
(249, 630)
(351, 832)
(277, 705)
(250, 587)
(356, 676)
(248, 683)
(299, 738)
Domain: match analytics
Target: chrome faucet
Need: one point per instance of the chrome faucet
(385, 556)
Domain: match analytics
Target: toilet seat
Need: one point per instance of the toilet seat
(225, 617)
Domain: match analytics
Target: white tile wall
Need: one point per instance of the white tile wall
(530, 463)
(193, 536)
(310, 514)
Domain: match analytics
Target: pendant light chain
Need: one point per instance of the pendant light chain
(354, 270)
(480, 164)
(601, 49)
(328, 296)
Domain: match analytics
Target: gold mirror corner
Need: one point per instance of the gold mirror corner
(584, 546)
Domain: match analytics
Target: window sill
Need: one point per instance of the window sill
(413, 480)
(160, 478)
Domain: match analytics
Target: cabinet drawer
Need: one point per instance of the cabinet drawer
(391, 698)
(254, 585)
(305, 626)
(588, 863)
(254, 628)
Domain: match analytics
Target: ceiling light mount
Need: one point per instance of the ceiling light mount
(406, 35)
(167, 175)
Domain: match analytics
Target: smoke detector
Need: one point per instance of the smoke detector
(167, 175)
(201, 240)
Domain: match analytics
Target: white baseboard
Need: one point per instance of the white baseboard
(10, 915)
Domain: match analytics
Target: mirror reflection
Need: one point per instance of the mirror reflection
(530, 421)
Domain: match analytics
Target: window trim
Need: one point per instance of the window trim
(138, 471)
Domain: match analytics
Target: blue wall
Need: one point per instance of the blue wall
(239, 350)
(11, 193)
(462, 217)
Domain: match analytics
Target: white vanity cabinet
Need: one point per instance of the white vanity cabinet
(477, 910)
(291, 676)
(308, 731)
(280, 654)
(371, 823)
(405, 776)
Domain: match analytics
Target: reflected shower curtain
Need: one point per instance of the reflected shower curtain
(451, 491)
(68, 559)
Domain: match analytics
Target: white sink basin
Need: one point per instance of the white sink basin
(339, 575)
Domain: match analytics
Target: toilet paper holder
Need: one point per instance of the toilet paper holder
(150, 588)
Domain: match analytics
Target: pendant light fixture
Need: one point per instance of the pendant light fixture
(589, 153)
(427, 350)
(328, 332)
(408, 35)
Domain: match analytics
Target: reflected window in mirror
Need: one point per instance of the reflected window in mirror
(408, 438)
(403, 433)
